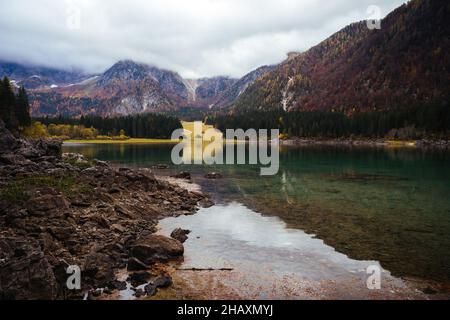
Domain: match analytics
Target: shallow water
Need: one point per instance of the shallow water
(269, 260)
(386, 205)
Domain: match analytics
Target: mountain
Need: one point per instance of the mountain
(126, 88)
(208, 90)
(405, 62)
(220, 92)
(238, 87)
(32, 77)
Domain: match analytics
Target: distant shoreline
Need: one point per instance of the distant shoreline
(442, 144)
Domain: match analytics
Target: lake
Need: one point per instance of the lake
(330, 212)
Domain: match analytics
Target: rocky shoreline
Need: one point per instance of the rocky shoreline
(61, 210)
(423, 144)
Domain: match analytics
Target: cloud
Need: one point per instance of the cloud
(196, 38)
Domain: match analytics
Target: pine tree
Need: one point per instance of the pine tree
(23, 108)
(7, 104)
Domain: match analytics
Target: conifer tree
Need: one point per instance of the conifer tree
(7, 104)
(23, 108)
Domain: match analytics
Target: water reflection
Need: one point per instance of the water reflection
(269, 258)
(233, 234)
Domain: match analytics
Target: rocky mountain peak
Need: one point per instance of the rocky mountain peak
(124, 70)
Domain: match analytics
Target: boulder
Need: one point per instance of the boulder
(163, 281)
(99, 267)
(152, 248)
(7, 140)
(150, 290)
(50, 148)
(180, 234)
(160, 282)
(139, 278)
(182, 175)
(25, 273)
(206, 203)
(75, 157)
(139, 293)
(100, 163)
(117, 285)
(46, 204)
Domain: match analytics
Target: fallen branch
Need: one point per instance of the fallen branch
(209, 269)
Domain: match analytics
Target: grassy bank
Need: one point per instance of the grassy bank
(400, 143)
(136, 141)
(128, 141)
(18, 191)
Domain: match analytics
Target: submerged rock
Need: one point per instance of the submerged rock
(161, 282)
(213, 175)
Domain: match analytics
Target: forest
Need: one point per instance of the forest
(148, 125)
(414, 122)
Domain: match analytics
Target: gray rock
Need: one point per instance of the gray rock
(7, 140)
(152, 248)
(139, 293)
(163, 281)
(139, 278)
(182, 175)
(26, 272)
(180, 234)
(118, 285)
(47, 205)
(150, 290)
(100, 163)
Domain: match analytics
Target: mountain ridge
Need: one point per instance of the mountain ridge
(127, 87)
(361, 70)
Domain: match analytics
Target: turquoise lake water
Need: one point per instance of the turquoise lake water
(386, 205)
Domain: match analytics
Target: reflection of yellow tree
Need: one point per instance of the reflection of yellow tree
(122, 150)
(202, 151)
(191, 127)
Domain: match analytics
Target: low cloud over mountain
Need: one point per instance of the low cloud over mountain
(201, 38)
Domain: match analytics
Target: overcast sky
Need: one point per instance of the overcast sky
(196, 38)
